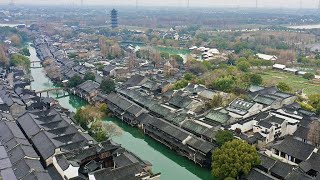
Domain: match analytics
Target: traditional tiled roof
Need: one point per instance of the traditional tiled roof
(18, 159)
(313, 163)
(264, 100)
(281, 169)
(49, 130)
(256, 174)
(294, 148)
(136, 80)
(217, 117)
(160, 110)
(180, 101)
(89, 86)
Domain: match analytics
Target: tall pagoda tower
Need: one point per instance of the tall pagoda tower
(114, 18)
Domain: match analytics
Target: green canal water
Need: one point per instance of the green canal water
(164, 160)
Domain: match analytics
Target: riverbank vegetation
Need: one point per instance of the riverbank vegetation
(19, 60)
(52, 70)
(91, 118)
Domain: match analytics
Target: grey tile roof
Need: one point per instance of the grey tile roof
(22, 151)
(160, 110)
(217, 117)
(267, 162)
(136, 80)
(168, 128)
(295, 148)
(201, 145)
(281, 169)
(264, 100)
(122, 173)
(265, 124)
(313, 163)
(180, 101)
(297, 175)
(302, 132)
(124, 159)
(134, 109)
(49, 130)
(89, 86)
(256, 174)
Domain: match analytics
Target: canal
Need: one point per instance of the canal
(164, 160)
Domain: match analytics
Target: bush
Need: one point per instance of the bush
(75, 81)
(225, 84)
(284, 87)
(89, 76)
(107, 86)
(25, 51)
(255, 79)
(308, 76)
(223, 136)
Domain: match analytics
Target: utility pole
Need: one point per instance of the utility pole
(256, 3)
(188, 5)
(136, 4)
(319, 5)
(81, 3)
(300, 4)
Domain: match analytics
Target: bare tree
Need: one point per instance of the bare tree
(314, 132)
(111, 130)
(131, 61)
(3, 57)
(15, 39)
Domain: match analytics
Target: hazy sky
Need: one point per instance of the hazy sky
(181, 3)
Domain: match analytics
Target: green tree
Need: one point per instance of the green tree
(282, 86)
(180, 84)
(20, 60)
(89, 76)
(255, 79)
(239, 46)
(223, 136)
(308, 76)
(164, 55)
(178, 58)
(75, 81)
(189, 76)
(225, 84)
(100, 67)
(107, 86)
(244, 66)
(233, 159)
(25, 51)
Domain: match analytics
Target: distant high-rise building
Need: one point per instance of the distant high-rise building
(114, 18)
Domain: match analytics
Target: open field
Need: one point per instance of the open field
(272, 77)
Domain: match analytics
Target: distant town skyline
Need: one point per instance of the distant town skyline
(179, 3)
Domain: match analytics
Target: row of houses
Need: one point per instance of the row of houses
(176, 138)
(284, 68)
(40, 140)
